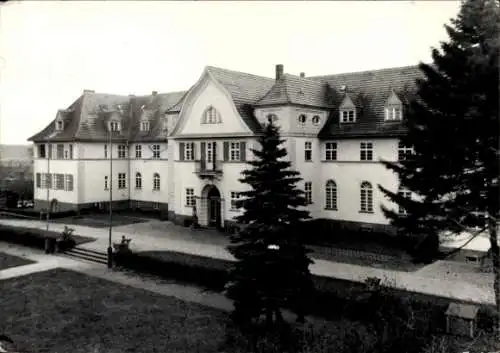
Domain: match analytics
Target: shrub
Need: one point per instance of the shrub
(65, 240)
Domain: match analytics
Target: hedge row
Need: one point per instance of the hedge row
(332, 298)
(32, 237)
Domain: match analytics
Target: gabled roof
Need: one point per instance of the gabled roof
(369, 91)
(295, 90)
(87, 118)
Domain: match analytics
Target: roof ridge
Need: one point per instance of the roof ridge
(302, 78)
(366, 71)
(238, 72)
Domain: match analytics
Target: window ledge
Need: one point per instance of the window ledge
(139, 189)
(155, 190)
(330, 209)
(308, 160)
(234, 210)
(366, 212)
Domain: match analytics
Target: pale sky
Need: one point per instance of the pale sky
(51, 51)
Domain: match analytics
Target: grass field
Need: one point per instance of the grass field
(8, 261)
(99, 220)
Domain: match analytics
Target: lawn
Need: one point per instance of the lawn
(65, 311)
(99, 220)
(8, 261)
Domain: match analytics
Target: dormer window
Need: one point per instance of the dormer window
(347, 116)
(144, 125)
(302, 119)
(316, 120)
(394, 113)
(59, 125)
(114, 125)
(211, 116)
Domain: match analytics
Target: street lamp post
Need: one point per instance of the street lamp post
(110, 249)
(47, 178)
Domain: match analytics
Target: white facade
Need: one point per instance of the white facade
(90, 165)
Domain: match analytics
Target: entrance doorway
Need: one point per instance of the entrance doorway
(214, 207)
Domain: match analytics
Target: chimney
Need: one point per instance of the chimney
(88, 91)
(154, 93)
(302, 75)
(279, 71)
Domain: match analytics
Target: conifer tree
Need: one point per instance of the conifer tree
(453, 126)
(272, 267)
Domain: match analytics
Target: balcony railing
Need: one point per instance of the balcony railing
(208, 169)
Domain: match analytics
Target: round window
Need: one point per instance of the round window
(302, 119)
(316, 119)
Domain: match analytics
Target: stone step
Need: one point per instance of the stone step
(89, 255)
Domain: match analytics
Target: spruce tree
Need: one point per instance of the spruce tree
(453, 126)
(272, 267)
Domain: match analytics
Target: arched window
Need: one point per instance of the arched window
(366, 197)
(211, 116)
(156, 181)
(138, 181)
(331, 195)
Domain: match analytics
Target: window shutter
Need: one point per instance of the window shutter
(49, 147)
(226, 151)
(181, 151)
(202, 151)
(243, 151)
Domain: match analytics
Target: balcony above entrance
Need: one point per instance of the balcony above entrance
(208, 169)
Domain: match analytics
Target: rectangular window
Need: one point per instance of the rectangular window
(122, 181)
(189, 151)
(308, 192)
(235, 196)
(156, 151)
(308, 151)
(366, 151)
(393, 113)
(190, 200)
(404, 152)
(60, 151)
(347, 116)
(144, 125)
(106, 186)
(156, 206)
(105, 151)
(42, 151)
(69, 182)
(59, 181)
(407, 195)
(122, 151)
(38, 180)
(366, 198)
(235, 151)
(331, 151)
(70, 151)
(48, 180)
(138, 151)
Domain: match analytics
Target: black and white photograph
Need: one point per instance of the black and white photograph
(249, 176)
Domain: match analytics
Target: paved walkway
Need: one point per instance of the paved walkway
(442, 279)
